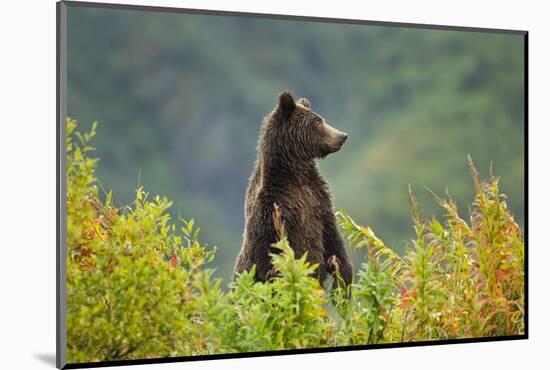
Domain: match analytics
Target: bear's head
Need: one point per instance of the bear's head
(295, 129)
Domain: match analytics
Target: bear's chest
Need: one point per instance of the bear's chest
(305, 206)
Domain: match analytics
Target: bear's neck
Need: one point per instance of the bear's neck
(276, 170)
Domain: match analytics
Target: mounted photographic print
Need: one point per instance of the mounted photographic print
(234, 184)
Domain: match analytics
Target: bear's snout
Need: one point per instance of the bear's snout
(337, 139)
(341, 139)
(334, 139)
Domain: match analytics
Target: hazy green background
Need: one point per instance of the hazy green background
(180, 99)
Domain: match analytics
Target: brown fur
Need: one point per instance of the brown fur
(286, 183)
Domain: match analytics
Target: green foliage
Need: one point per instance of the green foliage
(456, 280)
(285, 313)
(288, 312)
(131, 278)
(138, 285)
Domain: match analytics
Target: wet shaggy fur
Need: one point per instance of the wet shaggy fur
(286, 178)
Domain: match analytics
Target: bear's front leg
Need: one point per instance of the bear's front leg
(336, 256)
(339, 271)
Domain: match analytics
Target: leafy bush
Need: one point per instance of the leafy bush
(130, 276)
(138, 285)
(286, 313)
(457, 280)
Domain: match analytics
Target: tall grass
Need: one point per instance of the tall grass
(137, 285)
(457, 279)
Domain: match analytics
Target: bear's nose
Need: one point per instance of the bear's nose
(344, 136)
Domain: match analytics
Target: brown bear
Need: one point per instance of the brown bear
(286, 183)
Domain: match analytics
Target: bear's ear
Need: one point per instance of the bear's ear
(286, 104)
(304, 103)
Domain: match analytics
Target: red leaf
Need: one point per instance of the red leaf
(407, 298)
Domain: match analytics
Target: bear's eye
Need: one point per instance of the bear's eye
(318, 122)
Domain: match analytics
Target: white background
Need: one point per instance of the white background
(27, 185)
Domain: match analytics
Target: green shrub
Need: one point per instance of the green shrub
(287, 312)
(457, 280)
(137, 285)
(130, 276)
